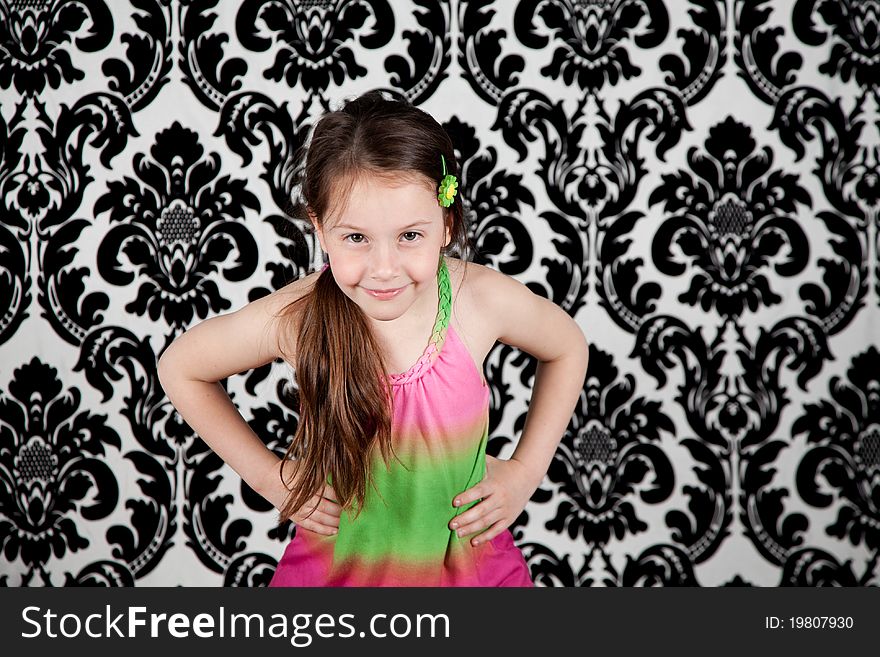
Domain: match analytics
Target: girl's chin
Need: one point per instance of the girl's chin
(386, 314)
(385, 309)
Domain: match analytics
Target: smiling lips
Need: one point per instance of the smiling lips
(385, 294)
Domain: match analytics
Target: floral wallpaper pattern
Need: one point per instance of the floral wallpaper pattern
(697, 183)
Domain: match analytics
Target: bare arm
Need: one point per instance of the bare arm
(541, 328)
(522, 319)
(195, 362)
(190, 370)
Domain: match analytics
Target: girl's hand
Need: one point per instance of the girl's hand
(325, 517)
(505, 491)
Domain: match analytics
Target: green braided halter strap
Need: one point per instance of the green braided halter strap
(441, 324)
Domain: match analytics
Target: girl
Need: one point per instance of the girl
(386, 477)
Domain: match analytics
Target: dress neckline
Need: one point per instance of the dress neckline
(438, 335)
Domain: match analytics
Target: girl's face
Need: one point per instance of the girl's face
(384, 245)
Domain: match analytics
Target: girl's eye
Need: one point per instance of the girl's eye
(358, 238)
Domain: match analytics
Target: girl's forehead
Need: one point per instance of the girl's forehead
(378, 201)
(392, 181)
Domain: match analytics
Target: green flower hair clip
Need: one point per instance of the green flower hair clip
(448, 187)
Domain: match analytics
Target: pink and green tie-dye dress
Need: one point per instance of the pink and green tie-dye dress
(402, 536)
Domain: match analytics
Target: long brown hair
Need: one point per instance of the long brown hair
(345, 398)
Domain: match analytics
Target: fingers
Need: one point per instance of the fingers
(317, 527)
(477, 523)
(472, 494)
(490, 533)
(328, 493)
(482, 491)
(319, 515)
(319, 502)
(486, 519)
(316, 516)
(328, 507)
(472, 517)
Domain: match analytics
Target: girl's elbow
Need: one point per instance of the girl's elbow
(168, 367)
(575, 350)
(583, 350)
(164, 367)
(170, 362)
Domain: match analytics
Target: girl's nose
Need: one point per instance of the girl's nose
(385, 262)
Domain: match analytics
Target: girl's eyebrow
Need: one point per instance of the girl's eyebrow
(415, 224)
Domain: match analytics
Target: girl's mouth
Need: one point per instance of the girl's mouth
(385, 294)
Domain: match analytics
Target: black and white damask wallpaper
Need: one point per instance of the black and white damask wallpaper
(695, 181)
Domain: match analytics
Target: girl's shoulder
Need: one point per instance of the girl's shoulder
(478, 283)
(462, 272)
(293, 290)
(461, 280)
(499, 307)
(479, 295)
(278, 304)
(238, 341)
(279, 307)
